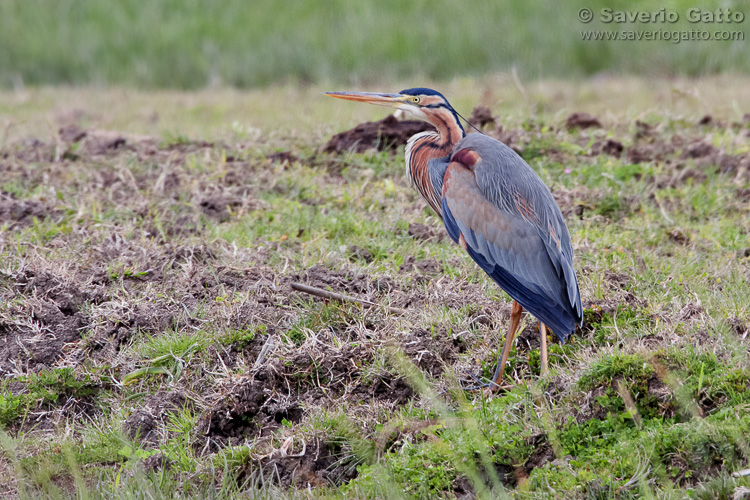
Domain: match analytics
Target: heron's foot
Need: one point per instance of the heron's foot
(487, 388)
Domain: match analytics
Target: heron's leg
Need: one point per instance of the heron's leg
(515, 319)
(543, 332)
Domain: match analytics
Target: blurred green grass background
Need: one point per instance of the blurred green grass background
(200, 43)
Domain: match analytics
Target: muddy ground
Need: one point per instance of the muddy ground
(107, 245)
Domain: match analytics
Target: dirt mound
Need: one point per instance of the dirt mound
(384, 135)
(46, 321)
(236, 415)
(21, 213)
(425, 232)
(311, 464)
(148, 419)
(582, 120)
(481, 117)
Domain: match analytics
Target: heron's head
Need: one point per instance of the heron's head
(425, 104)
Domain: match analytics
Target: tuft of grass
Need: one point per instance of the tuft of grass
(43, 389)
(243, 337)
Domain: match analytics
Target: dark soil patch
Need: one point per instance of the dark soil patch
(320, 465)
(33, 150)
(65, 293)
(678, 236)
(542, 453)
(259, 405)
(738, 327)
(529, 338)
(235, 416)
(481, 117)
(426, 266)
(218, 206)
(699, 149)
(62, 329)
(338, 280)
(619, 280)
(426, 232)
(611, 147)
(359, 253)
(42, 340)
(21, 213)
(689, 311)
(51, 319)
(221, 206)
(662, 397)
(156, 463)
(83, 143)
(431, 354)
(582, 120)
(386, 388)
(147, 421)
(508, 476)
(384, 135)
(283, 157)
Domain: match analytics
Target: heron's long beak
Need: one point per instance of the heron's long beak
(391, 100)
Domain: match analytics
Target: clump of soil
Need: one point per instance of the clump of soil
(582, 120)
(21, 213)
(738, 327)
(147, 420)
(425, 232)
(386, 388)
(50, 318)
(235, 416)
(218, 206)
(283, 157)
(315, 463)
(384, 135)
(359, 253)
(613, 148)
(481, 117)
(427, 266)
(341, 280)
(432, 353)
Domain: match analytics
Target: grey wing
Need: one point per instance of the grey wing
(512, 188)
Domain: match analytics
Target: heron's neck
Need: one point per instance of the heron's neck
(427, 146)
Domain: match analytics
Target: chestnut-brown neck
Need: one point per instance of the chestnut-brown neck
(428, 146)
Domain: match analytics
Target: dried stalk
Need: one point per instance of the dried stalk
(318, 292)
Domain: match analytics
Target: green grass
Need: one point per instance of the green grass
(195, 44)
(42, 390)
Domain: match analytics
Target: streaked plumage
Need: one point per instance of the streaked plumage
(514, 230)
(496, 207)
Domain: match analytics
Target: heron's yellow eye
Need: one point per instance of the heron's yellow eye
(415, 100)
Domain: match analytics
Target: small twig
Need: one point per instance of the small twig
(341, 297)
(264, 351)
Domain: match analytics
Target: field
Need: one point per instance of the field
(194, 44)
(151, 345)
